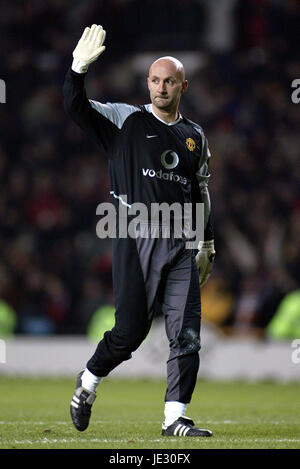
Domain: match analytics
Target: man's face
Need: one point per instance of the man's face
(166, 84)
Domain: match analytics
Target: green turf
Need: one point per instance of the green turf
(34, 413)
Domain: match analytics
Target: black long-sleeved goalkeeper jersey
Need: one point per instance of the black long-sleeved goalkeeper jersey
(149, 159)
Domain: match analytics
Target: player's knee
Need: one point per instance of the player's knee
(187, 342)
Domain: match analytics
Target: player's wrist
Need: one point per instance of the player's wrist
(79, 66)
(206, 245)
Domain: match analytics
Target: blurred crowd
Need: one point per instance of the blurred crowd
(54, 271)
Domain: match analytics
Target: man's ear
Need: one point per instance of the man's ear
(185, 84)
(148, 79)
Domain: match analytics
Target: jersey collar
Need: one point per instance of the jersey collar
(149, 109)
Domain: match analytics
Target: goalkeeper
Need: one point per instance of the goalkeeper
(155, 155)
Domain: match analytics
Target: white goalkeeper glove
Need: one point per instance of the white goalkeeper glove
(205, 259)
(88, 49)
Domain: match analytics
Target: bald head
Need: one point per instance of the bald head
(173, 65)
(166, 83)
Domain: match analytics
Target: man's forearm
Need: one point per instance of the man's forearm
(75, 100)
(79, 108)
(208, 228)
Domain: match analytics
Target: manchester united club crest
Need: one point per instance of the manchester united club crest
(191, 144)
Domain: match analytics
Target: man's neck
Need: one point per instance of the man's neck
(166, 116)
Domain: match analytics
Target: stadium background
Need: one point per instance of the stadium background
(240, 58)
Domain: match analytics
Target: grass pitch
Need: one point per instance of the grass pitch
(34, 414)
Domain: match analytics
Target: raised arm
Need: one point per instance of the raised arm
(76, 103)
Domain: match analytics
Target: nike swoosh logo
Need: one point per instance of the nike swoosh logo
(151, 136)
